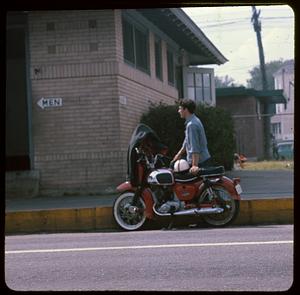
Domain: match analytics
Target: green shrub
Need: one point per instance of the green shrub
(218, 124)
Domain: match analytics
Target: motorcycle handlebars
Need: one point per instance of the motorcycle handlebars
(157, 161)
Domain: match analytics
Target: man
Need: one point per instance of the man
(195, 142)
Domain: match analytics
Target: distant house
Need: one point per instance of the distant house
(78, 82)
(246, 108)
(283, 121)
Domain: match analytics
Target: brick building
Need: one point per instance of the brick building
(77, 84)
(247, 109)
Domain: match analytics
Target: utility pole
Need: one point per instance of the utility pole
(267, 120)
(257, 28)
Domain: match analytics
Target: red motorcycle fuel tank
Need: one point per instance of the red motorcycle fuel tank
(186, 192)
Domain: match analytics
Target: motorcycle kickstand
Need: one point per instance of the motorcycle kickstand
(172, 218)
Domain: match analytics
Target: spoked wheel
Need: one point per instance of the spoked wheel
(231, 209)
(129, 217)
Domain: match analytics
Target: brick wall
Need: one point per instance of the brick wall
(73, 56)
(140, 90)
(80, 147)
(248, 129)
(74, 143)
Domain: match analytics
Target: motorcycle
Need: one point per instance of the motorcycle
(154, 189)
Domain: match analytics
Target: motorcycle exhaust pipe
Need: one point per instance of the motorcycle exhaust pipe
(200, 211)
(189, 212)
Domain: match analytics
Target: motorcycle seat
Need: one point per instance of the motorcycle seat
(189, 177)
(211, 171)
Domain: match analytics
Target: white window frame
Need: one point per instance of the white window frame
(277, 128)
(198, 70)
(142, 29)
(173, 64)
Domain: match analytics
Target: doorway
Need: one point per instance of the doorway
(17, 151)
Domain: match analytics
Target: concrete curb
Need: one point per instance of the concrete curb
(252, 212)
(266, 211)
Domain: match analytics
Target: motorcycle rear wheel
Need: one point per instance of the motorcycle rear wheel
(124, 215)
(231, 209)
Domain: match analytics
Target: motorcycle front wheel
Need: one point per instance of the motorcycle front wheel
(231, 209)
(129, 217)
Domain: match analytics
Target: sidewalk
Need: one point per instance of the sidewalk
(265, 200)
(65, 202)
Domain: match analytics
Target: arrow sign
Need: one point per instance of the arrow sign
(50, 102)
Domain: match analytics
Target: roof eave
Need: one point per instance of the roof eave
(270, 96)
(195, 60)
(197, 32)
(182, 30)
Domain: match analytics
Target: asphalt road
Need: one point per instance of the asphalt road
(235, 258)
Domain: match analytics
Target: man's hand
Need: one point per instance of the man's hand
(194, 169)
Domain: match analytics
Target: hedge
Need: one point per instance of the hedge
(218, 124)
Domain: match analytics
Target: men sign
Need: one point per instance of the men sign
(50, 102)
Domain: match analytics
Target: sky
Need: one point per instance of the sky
(230, 29)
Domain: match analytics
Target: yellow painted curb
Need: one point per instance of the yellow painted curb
(59, 220)
(266, 211)
(280, 211)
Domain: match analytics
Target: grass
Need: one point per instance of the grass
(269, 165)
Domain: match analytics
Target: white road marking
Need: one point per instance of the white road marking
(150, 247)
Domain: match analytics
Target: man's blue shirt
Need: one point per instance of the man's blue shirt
(195, 139)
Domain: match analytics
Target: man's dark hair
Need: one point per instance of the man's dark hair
(188, 104)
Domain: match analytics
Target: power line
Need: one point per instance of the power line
(277, 17)
(240, 21)
(260, 115)
(243, 19)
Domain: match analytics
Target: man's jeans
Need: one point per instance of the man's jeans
(205, 164)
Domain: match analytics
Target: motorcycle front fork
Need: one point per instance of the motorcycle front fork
(136, 195)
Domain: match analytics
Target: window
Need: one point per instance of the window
(179, 80)
(199, 87)
(279, 108)
(50, 26)
(170, 64)
(141, 49)
(158, 59)
(136, 46)
(258, 109)
(93, 46)
(206, 87)
(92, 23)
(276, 128)
(128, 42)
